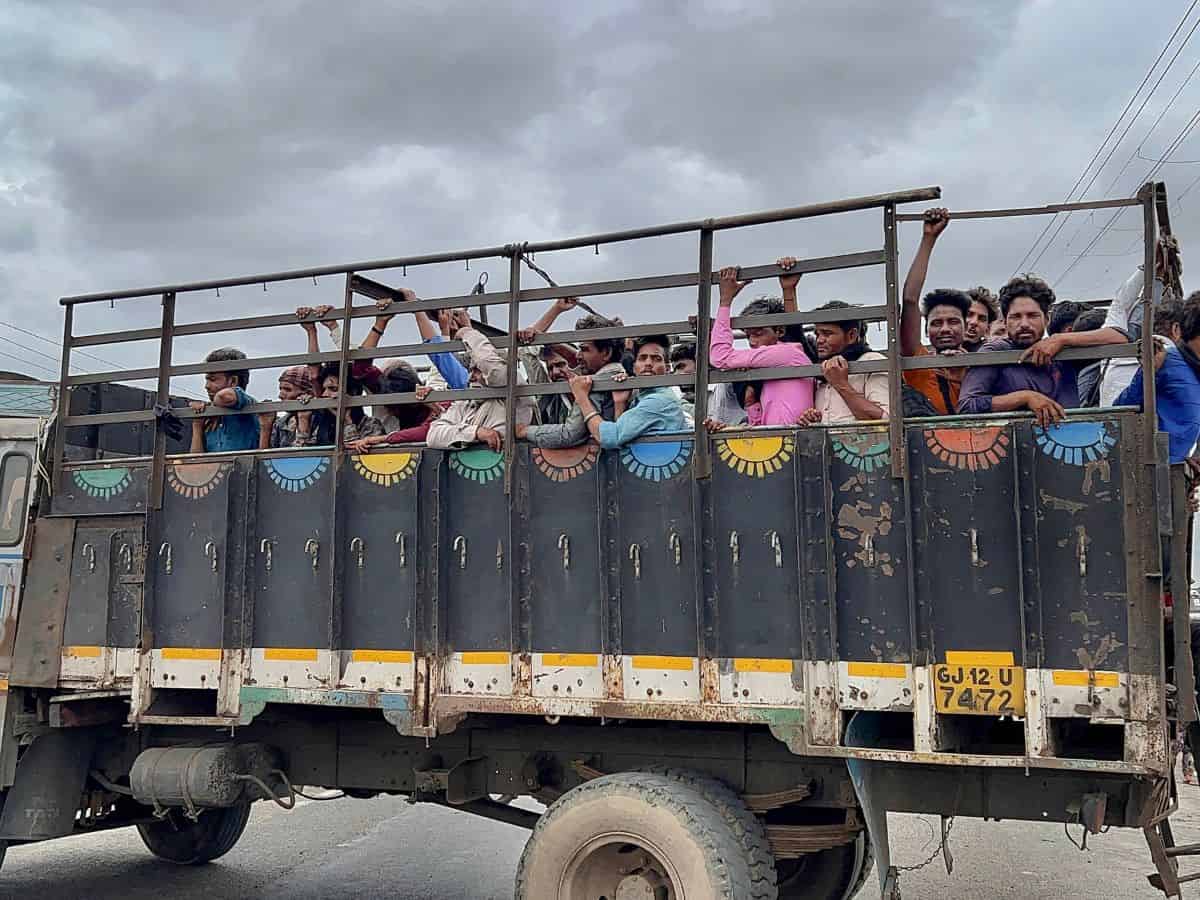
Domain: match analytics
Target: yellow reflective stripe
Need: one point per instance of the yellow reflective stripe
(485, 658)
(677, 663)
(190, 653)
(381, 656)
(877, 670)
(82, 652)
(289, 654)
(747, 664)
(585, 660)
(3, 685)
(1075, 678)
(979, 658)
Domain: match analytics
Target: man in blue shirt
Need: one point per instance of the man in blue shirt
(655, 411)
(224, 434)
(1177, 384)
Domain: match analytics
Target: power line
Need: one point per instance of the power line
(26, 362)
(1125, 132)
(1111, 132)
(1174, 145)
(40, 337)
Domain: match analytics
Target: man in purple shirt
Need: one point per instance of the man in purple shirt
(1047, 391)
(783, 401)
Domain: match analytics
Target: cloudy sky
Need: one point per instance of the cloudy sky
(139, 145)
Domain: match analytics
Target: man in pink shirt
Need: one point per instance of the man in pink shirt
(783, 401)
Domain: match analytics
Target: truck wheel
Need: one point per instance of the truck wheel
(834, 874)
(634, 835)
(746, 826)
(188, 843)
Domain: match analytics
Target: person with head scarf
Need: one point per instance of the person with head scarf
(293, 428)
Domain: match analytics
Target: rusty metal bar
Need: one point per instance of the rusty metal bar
(1028, 210)
(162, 398)
(895, 376)
(1146, 196)
(510, 385)
(759, 218)
(702, 451)
(343, 363)
(64, 404)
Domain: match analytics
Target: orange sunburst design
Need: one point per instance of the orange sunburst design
(968, 448)
(565, 464)
(196, 479)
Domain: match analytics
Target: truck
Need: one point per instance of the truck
(718, 660)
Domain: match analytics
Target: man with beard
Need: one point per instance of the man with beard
(601, 359)
(1048, 388)
(945, 311)
(841, 397)
(654, 411)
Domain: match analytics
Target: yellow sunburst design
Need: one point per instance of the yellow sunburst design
(386, 469)
(757, 456)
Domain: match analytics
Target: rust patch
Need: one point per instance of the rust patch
(1061, 503)
(522, 675)
(859, 522)
(710, 681)
(1091, 469)
(614, 678)
(1095, 660)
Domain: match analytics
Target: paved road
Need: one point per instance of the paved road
(385, 848)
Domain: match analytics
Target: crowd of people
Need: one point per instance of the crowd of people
(1025, 316)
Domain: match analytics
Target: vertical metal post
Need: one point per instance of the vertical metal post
(510, 384)
(1149, 413)
(702, 465)
(63, 407)
(895, 371)
(166, 339)
(343, 366)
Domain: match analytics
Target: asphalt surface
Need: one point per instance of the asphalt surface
(386, 848)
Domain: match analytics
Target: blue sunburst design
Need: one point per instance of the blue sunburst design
(865, 452)
(1075, 443)
(295, 473)
(656, 461)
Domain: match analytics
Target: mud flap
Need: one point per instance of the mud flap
(45, 795)
(864, 731)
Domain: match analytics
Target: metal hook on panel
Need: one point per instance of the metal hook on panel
(264, 547)
(460, 544)
(735, 546)
(499, 556)
(357, 548)
(1081, 552)
(777, 546)
(402, 543)
(210, 550)
(564, 544)
(89, 553)
(973, 534)
(125, 554)
(164, 553)
(635, 553)
(313, 548)
(869, 547)
(676, 547)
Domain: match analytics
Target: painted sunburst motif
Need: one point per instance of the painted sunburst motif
(102, 484)
(479, 464)
(567, 463)
(295, 473)
(656, 460)
(757, 456)
(968, 448)
(386, 469)
(196, 479)
(1075, 443)
(865, 452)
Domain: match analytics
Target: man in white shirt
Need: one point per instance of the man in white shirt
(841, 397)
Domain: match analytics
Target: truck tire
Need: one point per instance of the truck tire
(834, 874)
(633, 834)
(751, 835)
(188, 843)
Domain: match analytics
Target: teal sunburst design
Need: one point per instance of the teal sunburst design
(295, 473)
(102, 483)
(479, 464)
(865, 452)
(1075, 443)
(656, 461)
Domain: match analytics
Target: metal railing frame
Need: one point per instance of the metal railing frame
(703, 278)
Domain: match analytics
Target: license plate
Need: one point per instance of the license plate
(979, 690)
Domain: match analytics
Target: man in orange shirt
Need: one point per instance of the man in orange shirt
(945, 311)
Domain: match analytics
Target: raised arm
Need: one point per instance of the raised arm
(935, 223)
(484, 356)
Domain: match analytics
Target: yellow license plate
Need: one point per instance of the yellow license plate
(979, 690)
